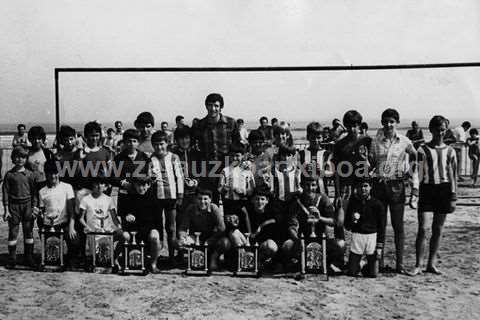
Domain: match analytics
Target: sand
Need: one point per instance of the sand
(78, 295)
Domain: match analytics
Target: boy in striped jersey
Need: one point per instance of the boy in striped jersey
(438, 186)
(168, 187)
(315, 157)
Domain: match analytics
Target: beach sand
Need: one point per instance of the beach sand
(79, 295)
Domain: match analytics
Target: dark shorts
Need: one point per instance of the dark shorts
(389, 192)
(165, 204)
(435, 198)
(20, 212)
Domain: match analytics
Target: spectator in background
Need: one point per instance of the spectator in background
(274, 122)
(474, 153)
(168, 132)
(457, 138)
(337, 129)
(109, 141)
(415, 135)
(364, 129)
(21, 138)
(243, 132)
(266, 130)
(118, 135)
(180, 121)
(460, 132)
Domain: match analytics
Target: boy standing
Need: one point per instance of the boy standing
(65, 156)
(20, 139)
(236, 181)
(391, 152)
(365, 219)
(145, 124)
(318, 159)
(38, 155)
(166, 168)
(19, 201)
(438, 191)
(474, 153)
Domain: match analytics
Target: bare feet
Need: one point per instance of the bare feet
(433, 269)
(402, 270)
(416, 271)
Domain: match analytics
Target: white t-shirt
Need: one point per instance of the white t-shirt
(37, 162)
(460, 134)
(96, 209)
(54, 200)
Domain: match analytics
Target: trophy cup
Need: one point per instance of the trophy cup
(313, 251)
(247, 259)
(101, 247)
(134, 255)
(197, 258)
(52, 246)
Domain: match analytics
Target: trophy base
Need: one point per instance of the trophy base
(197, 273)
(134, 272)
(247, 274)
(51, 268)
(100, 270)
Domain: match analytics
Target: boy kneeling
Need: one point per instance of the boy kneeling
(204, 217)
(365, 220)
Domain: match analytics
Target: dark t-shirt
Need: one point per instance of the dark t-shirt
(415, 135)
(370, 216)
(270, 231)
(142, 207)
(297, 216)
(352, 150)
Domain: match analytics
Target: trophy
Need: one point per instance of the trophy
(314, 251)
(134, 256)
(247, 259)
(52, 246)
(197, 257)
(101, 246)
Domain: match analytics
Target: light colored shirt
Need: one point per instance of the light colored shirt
(390, 157)
(168, 175)
(237, 178)
(460, 134)
(97, 209)
(54, 200)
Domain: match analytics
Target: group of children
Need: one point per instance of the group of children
(269, 192)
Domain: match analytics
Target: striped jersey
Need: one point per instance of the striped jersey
(322, 158)
(285, 183)
(437, 165)
(236, 178)
(168, 176)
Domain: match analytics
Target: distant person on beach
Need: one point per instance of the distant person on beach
(266, 130)
(364, 129)
(21, 138)
(164, 128)
(20, 200)
(460, 134)
(179, 124)
(109, 141)
(274, 122)
(118, 135)
(145, 123)
(438, 191)
(214, 134)
(243, 132)
(415, 134)
(389, 153)
(337, 129)
(474, 153)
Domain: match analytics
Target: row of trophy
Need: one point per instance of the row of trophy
(101, 248)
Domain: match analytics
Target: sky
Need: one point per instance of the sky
(37, 36)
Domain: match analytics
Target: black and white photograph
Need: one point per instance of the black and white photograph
(247, 159)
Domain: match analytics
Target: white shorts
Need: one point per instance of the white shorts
(363, 243)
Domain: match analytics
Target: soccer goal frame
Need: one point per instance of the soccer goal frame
(58, 71)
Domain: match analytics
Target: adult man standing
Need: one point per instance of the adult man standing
(390, 152)
(266, 130)
(460, 134)
(214, 134)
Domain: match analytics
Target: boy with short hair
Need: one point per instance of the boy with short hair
(66, 153)
(145, 123)
(94, 155)
(261, 158)
(365, 219)
(236, 182)
(314, 158)
(438, 191)
(109, 141)
(311, 203)
(137, 214)
(285, 176)
(474, 153)
(56, 203)
(19, 203)
(166, 168)
(38, 155)
(205, 217)
(191, 163)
